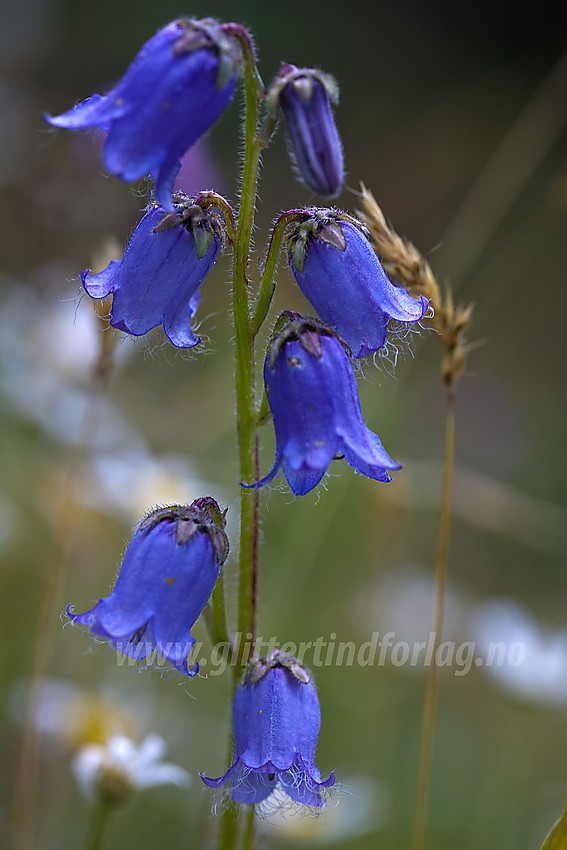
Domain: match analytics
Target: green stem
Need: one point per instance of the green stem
(229, 835)
(229, 827)
(228, 832)
(214, 615)
(98, 824)
(248, 839)
(267, 285)
(222, 633)
(425, 757)
(213, 199)
(244, 353)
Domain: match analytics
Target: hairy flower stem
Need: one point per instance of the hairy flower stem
(267, 285)
(425, 757)
(214, 615)
(228, 832)
(244, 354)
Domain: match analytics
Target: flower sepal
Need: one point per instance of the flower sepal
(292, 327)
(323, 224)
(203, 514)
(258, 667)
(302, 81)
(205, 34)
(203, 223)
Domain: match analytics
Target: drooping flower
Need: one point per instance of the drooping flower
(305, 96)
(339, 273)
(312, 393)
(157, 280)
(167, 576)
(177, 87)
(276, 719)
(109, 772)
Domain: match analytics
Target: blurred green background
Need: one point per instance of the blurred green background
(454, 115)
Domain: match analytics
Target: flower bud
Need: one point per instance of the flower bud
(305, 96)
(157, 280)
(276, 719)
(178, 85)
(312, 393)
(167, 576)
(338, 271)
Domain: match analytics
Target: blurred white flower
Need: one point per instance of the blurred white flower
(128, 482)
(69, 716)
(363, 807)
(521, 655)
(47, 353)
(110, 771)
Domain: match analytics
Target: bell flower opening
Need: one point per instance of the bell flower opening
(167, 576)
(157, 280)
(339, 273)
(179, 84)
(313, 397)
(276, 720)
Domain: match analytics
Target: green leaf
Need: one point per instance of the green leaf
(557, 838)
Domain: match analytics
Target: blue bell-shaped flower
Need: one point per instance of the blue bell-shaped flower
(157, 280)
(177, 87)
(312, 393)
(276, 719)
(339, 273)
(167, 576)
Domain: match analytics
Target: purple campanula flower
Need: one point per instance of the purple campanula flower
(312, 393)
(339, 273)
(276, 719)
(177, 87)
(167, 576)
(305, 96)
(157, 280)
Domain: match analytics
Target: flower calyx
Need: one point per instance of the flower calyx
(323, 224)
(291, 326)
(202, 515)
(301, 80)
(209, 34)
(258, 667)
(191, 214)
